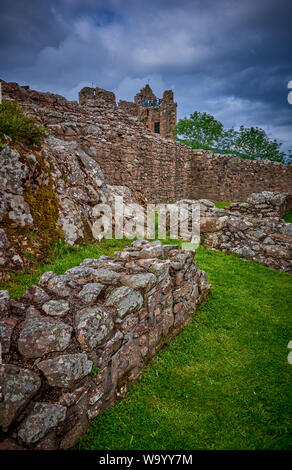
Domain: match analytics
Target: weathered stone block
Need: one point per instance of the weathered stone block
(41, 335)
(4, 303)
(7, 326)
(61, 285)
(43, 418)
(92, 325)
(90, 292)
(139, 281)
(125, 300)
(124, 360)
(56, 308)
(18, 386)
(64, 371)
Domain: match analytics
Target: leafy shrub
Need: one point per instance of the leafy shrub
(18, 126)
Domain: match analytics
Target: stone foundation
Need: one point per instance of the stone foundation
(75, 343)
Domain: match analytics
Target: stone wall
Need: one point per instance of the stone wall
(74, 344)
(132, 109)
(97, 95)
(154, 168)
(229, 178)
(250, 235)
(264, 204)
(163, 113)
(168, 114)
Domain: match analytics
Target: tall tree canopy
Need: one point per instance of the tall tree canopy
(203, 131)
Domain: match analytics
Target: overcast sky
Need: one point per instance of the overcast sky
(230, 58)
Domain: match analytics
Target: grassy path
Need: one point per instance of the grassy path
(224, 382)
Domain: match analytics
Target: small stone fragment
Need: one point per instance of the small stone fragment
(56, 308)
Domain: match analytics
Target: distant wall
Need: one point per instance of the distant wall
(132, 109)
(161, 171)
(99, 95)
(230, 178)
(154, 168)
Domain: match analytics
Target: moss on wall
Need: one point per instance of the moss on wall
(44, 207)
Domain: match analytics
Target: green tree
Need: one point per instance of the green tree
(199, 131)
(203, 131)
(254, 144)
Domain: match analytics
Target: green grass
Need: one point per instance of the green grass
(222, 204)
(224, 382)
(288, 217)
(62, 257)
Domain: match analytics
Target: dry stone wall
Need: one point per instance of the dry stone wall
(264, 204)
(251, 235)
(73, 345)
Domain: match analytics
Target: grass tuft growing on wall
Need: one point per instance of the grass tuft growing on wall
(288, 217)
(222, 204)
(18, 126)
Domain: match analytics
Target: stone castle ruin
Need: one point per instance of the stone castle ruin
(74, 344)
(158, 115)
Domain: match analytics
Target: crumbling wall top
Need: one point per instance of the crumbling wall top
(167, 97)
(98, 95)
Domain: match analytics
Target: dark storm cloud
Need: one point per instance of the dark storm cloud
(25, 28)
(231, 58)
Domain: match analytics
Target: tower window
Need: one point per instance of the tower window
(157, 127)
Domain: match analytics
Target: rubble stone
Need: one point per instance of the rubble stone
(18, 387)
(41, 335)
(65, 370)
(43, 418)
(125, 299)
(92, 324)
(56, 308)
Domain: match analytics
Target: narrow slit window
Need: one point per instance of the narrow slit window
(157, 127)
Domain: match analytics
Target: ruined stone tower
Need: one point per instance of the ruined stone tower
(159, 115)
